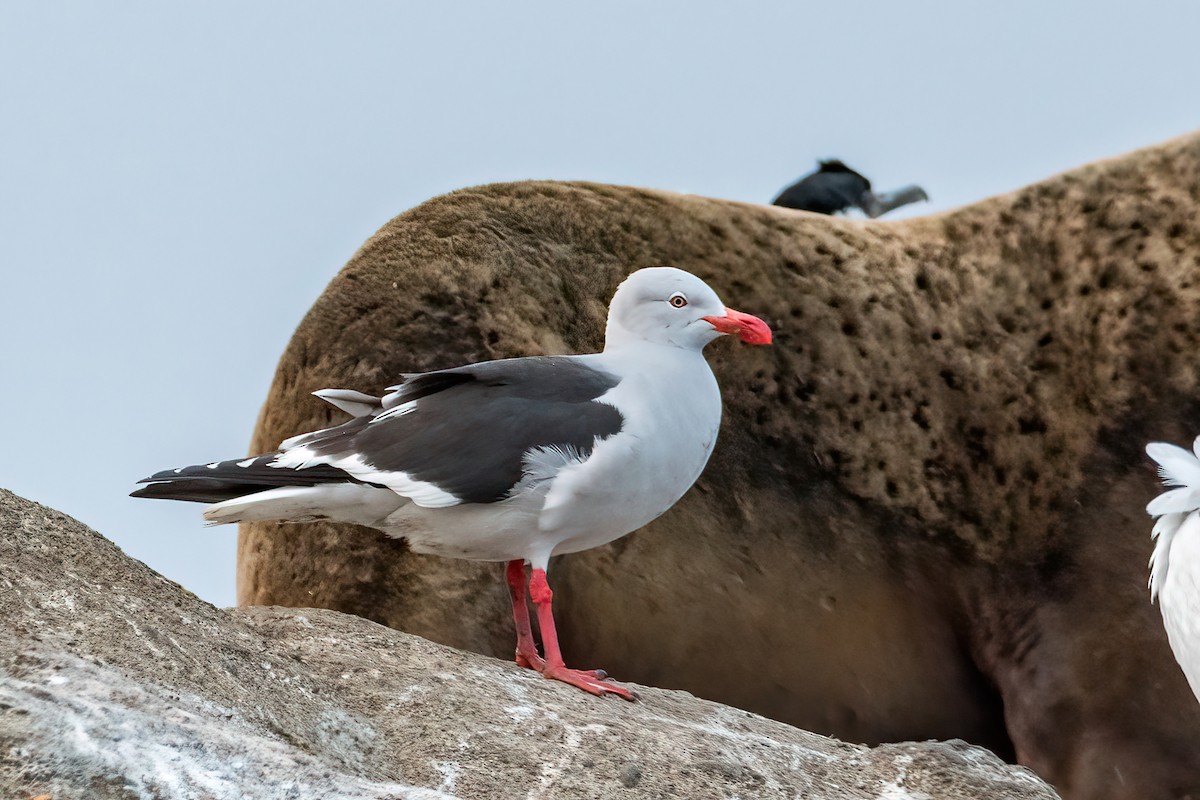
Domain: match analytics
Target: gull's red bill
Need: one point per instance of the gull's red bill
(749, 328)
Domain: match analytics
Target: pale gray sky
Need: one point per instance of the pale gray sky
(180, 181)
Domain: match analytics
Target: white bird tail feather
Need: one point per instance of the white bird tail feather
(1177, 466)
(1179, 469)
(356, 404)
(354, 503)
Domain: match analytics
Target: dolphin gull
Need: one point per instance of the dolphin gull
(514, 460)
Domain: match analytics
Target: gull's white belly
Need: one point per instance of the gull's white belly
(477, 531)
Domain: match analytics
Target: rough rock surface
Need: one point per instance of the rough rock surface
(117, 683)
(924, 516)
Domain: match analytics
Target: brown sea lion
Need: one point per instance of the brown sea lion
(924, 516)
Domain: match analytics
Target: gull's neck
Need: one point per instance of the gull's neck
(619, 340)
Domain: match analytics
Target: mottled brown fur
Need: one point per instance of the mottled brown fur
(924, 517)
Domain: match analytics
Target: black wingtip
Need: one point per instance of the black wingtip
(154, 491)
(218, 481)
(191, 491)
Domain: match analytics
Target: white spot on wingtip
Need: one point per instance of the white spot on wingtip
(298, 458)
(247, 462)
(213, 465)
(177, 470)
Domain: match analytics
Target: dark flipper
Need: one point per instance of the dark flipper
(879, 203)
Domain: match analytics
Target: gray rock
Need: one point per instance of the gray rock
(117, 683)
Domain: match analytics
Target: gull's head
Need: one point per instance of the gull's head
(665, 305)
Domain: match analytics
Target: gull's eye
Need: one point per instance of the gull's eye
(677, 300)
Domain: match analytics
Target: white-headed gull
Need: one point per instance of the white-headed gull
(515, 460)
(1175, 564)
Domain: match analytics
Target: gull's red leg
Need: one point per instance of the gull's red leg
(588, 680)
(527, 654)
